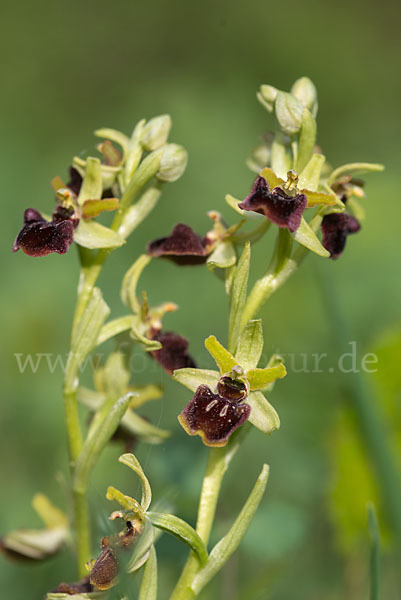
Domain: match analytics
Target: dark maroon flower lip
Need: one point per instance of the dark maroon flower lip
(183, 246)
(283, 210)
(39, 237)
(174, 351)
(336, 227)
(213, 416)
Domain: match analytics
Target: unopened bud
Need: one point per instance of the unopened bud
(266, 96)
(155, 132)
(304, 89)
(173, 163)
(289, 111)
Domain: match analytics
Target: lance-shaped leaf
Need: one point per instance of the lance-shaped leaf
(354, 169)
(222, 257)
(133, 463)
(92, 185)
(87, 330)
(130, 281)
(305, 236)
(128, 503)
(148, 589)
(307, 140)
(113, 328)
(139, 211)
(182, 530)
(230, 542)
(142, 547)
(263, 416)
(193, 378)
(100, 433)
(93, 235)
(238, 297)
(224, 359)
(94, 208)
(250, 345)
(259, 379)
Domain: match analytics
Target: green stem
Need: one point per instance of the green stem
(218, 462)
(82, 531)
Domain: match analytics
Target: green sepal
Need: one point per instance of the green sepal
(250, 345)
(307, 140)
(93, 235)
(133, 463)
(138, 328)
(113, 328)
(140, 427)
(262, 416)
(223, 358)
(289, 112)
(108, 173)
(259, 379)
(86, 332)
(182, 530)
(280, 160)
(305, 236)
(148, 589)
(238, 296)
(94, 208)
(193, 378)
(310, 176)
(114, 136)
(130, 281)
(92, 185)
(103, 427)
(139, 211)
(222, 257)
(230, 542)
(233, 203)
(127, 503)
(354, 169)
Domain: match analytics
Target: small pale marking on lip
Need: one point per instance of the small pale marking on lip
(210, 405)
(223, 411)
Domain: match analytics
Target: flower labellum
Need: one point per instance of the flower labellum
(174, 351)
(213, 416)
(39, 237)
(283, 210)
(183, 246)
(336, 227)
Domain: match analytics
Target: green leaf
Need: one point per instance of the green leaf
(230, 542)
(222, 257)
(354, 169)
(193, 378)
(113, 328)
(181, 530)
(133, 463)
(93, 235)
(280, 159)
(224, 359)
(238, 297)
(139, 211)
(307, 140)
(130, 281)
(87, 330)
(289, 112)
(375, 553)
(259, 379)
(97, 439)
(93, 208)
(92, 186)
(148, 589)
(310, 175)
(305, 236)
(250, 345)
(263, 416)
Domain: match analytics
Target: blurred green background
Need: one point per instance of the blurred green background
(70, 67)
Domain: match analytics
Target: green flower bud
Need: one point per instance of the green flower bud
(304, 90)
(289, 111)
(155, 132)
(266, 96)
(173, 163)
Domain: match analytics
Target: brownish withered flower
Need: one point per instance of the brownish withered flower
(183, 246)
(39, 237)
(279, 207)
(336, 227)
(216, 416)
(174, 351)
(71, 589)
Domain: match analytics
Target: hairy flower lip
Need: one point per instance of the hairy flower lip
(213, 417)
(183, 246)
(39, 237)
(174, 351)
(283, 210)
(335, 228)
